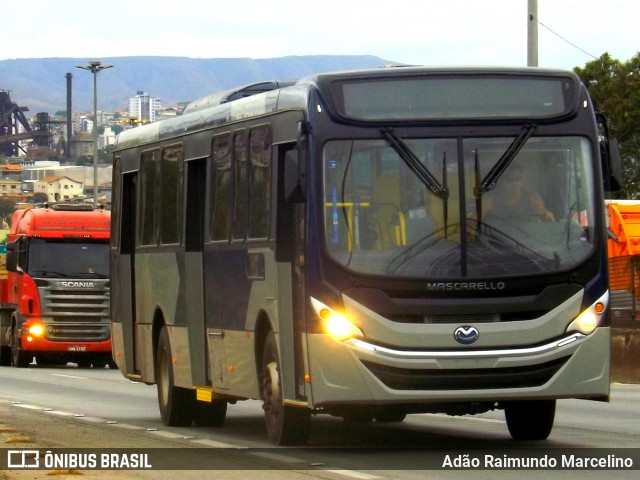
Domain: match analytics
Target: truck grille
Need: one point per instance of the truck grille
(75, 311)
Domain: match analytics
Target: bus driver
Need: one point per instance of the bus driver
(511, 199)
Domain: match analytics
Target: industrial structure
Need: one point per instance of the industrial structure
(14, 127)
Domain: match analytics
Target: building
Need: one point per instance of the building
(10, 188)
(59, 189)
(144, 108)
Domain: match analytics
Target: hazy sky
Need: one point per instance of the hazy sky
(428, 32)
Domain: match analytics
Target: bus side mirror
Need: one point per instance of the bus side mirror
(295, 177)
(612, 165)
(12, 258)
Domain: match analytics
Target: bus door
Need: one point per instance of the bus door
(125, 301)
(194, 240)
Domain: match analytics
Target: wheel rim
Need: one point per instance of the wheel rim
(164, 377)
(271, 392)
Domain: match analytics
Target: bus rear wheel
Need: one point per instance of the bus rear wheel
(530, 419)
(176, 404)
(286, 425)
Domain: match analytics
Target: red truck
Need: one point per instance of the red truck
(54, 296)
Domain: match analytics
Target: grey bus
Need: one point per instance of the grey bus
(367, 244)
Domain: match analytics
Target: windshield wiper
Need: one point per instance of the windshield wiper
(414, 163)
(489, 182)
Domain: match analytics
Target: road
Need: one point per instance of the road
(98, 408)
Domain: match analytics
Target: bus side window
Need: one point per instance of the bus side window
(148, 190)
(260, 182)
(241, 204)
(221, 183)
(171, 200)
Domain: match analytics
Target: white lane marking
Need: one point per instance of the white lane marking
(160, 433)
(62, 414)
(30, 407)
(277, 457)
(93, 419)
(68, 376)
(214, 444)
(128, 427)
(353, 474)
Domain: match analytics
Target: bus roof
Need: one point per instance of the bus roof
(266, 97)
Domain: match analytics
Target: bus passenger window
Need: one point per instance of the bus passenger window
(242, 185)
(148, 198)
(221, 185)
(171, 201)
(260, 188)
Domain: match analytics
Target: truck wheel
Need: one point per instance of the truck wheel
(286, 425)
(176, 404)
(19, 358)
(530, 419)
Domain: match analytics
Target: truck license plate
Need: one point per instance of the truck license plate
(77, 348)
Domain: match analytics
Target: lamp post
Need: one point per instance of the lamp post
(95, 67)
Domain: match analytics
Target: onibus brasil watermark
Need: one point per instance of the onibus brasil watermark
(35, 459)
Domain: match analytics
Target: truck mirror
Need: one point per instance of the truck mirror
(12, 257)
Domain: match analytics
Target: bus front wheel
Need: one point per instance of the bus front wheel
(176, 404)
(530, 419)
(286, 425)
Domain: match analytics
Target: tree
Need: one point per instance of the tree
(614, 87)
(39, 197)
(7, 206)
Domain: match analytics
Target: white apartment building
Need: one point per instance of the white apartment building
(59, 189)
(143, 107)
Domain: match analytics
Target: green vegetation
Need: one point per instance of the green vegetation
(614, 87)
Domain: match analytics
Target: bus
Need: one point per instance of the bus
(352, 244)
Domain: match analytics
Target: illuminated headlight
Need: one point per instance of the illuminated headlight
(589, 319)
(36, 330)
(335, 324)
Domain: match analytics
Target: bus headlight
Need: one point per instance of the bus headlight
(334, 323)
(589, 319)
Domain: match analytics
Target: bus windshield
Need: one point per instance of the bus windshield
(382, 218)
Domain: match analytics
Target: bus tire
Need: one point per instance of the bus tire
(212, 414)
(530, 419)
(390, 415)
(286, 425)
(19, 358)
(176, 404)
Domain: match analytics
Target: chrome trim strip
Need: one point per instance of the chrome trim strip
(511, 352)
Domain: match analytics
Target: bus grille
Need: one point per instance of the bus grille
(465, 379)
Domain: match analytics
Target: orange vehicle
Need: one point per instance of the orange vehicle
(624, 256)
(54, 297)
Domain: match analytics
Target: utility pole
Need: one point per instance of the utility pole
(532, 34)
(95, 67)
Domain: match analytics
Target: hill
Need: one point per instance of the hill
(40, 83)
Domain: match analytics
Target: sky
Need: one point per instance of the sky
(421, 32)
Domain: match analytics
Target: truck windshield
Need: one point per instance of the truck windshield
(68, 259)
(380, 218)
